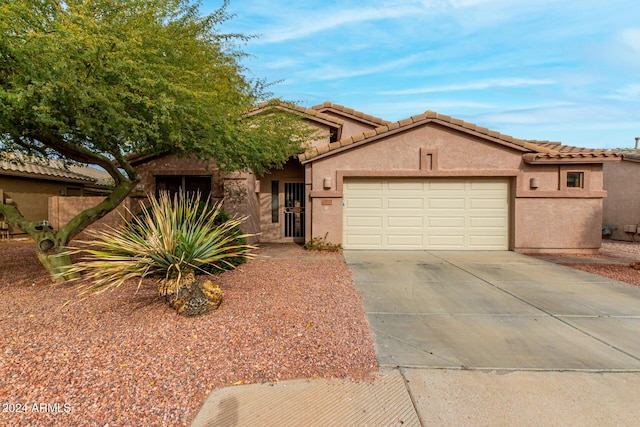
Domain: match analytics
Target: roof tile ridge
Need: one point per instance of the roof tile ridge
(299, 108)
(351, 111)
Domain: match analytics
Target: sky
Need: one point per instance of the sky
(554, 70)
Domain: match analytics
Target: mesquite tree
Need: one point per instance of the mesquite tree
(92, 81)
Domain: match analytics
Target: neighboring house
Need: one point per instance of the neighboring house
(427, 182)
(28, 185)
(621, 212)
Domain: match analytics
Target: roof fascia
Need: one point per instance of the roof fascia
(533, 159)
(390, 130)
(45, 177)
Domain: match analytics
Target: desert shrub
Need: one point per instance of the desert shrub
(170, 239)
(206, 208)
(321, 244)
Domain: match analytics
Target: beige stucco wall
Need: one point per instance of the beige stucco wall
(351, 126)
(31, 196)
(64, 209)
(557, 224)
(438, 151)
(622, 205)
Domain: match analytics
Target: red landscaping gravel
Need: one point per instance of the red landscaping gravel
(620, 272)
(611, 250)
(119, 359)
(620, 246)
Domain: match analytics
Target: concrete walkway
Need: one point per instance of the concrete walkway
(473, 339)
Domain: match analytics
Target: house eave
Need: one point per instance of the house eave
(537, 159)
(45, 177)
(382, 132)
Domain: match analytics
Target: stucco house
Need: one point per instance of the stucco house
(621, 210)
(426, 182)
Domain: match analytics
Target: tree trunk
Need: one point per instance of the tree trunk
(55, 263)
(51, 244)
(50, 251)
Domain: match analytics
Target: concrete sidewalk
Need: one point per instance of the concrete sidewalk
(432, 397)
(381, 401)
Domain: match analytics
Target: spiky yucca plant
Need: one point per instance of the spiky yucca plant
(169, 240)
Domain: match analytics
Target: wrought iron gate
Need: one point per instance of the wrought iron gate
(293, 209)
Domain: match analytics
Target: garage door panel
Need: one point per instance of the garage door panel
(426, 213)
(438, 203)
(405, 241)
(401, 185)
(486, 242)
(405, 221)
(446, 185)
(361, 203)
(447, 221)
(447, 242)
(364, 241)
(488, 185)
(489, 221)
(493, 203)
(364, 221)
(364, 186)
(405, 203)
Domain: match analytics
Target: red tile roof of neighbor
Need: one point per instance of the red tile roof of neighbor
(629, 153)
(328, 105)
(537, 151)
(53, 170)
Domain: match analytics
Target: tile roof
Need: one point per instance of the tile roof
(628, 153)
(292, 107)
(570, 153)
(539, 150)
(100, 176)
(54, 170)
(328, 105)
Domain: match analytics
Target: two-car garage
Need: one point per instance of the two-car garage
(426, 213)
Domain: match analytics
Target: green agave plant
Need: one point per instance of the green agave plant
(170, 240)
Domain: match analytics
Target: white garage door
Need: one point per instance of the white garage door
(419, 213)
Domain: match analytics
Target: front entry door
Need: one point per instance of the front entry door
(294, 210)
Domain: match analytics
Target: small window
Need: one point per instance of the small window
(333, 135)
(74, 191)
(275, 202)
(575, 179)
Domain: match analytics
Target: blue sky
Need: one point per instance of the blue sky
(555, 70)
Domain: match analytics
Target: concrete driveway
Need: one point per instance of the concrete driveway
(495, 311)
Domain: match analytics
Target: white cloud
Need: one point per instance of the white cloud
(302, 23)
(629, 92)
(630, 39)
(552, 113)
(479, 85)
(333, 72)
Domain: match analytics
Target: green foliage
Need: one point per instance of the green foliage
(134, 76)
(169, 240)
(205, 208)
(321, 244)
(95, 81)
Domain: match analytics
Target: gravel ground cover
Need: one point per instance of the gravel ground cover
(611, 250)
(120, 359)
(619, 246)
